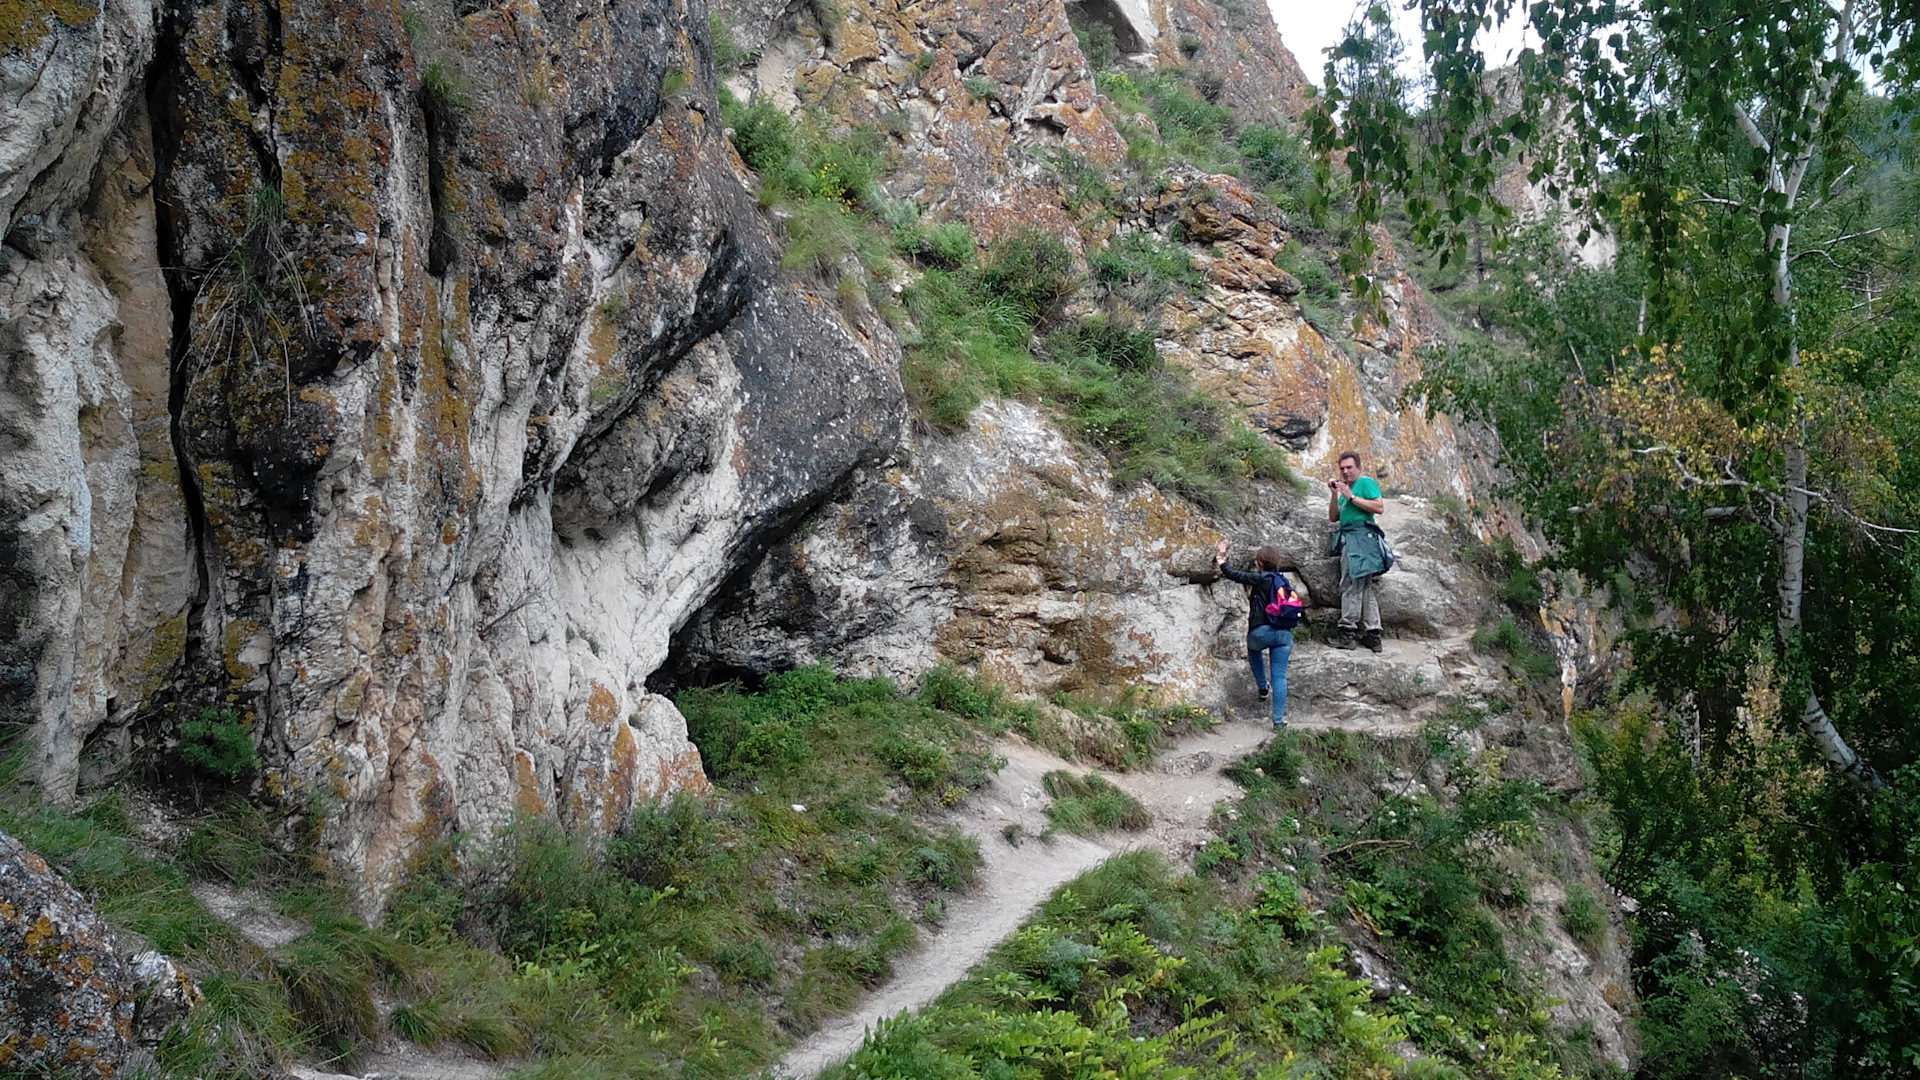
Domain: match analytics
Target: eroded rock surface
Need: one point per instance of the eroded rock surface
(66, 1000)
(470, 375)
(417, 383)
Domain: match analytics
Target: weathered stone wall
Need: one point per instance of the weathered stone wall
(411, 381)
(469, 375)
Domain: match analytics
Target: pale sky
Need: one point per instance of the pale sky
(1309, 26)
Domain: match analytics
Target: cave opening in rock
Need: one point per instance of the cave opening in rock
(1085, 15)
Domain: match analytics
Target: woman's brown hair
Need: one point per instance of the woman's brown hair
(1267, 558)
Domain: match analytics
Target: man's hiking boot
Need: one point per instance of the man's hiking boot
(1265, 693)
(1341, 638)
(1371, 639)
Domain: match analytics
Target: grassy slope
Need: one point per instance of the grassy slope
(698, 942)
(1240, 970)
(695, 943)
(990, 324)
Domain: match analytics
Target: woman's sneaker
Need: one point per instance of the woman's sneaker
(1265, 693)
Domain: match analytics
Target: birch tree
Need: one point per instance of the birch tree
(1591, 106)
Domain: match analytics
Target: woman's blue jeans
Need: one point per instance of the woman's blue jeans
(1270, 646)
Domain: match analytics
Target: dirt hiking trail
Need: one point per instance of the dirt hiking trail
(1180, 791)
(1389, 694)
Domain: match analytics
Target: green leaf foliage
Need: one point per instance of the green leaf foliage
(1712, 427)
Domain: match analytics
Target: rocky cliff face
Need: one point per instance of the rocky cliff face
(415, 382)
(397, 381)
(1004, 547)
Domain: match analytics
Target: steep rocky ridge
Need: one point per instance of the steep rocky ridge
(415, 381)
(1004, 546)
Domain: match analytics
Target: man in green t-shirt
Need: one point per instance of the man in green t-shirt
(1352, 501)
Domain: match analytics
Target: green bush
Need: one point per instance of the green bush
(1031, 270)
(1279, 761)
(1104, 345)
(827, 184)
(218, 744)
(947, 687)
(1317, 283)
(728, 56)
(763, 134)
(1506, 637)
(1584, 917)
(798, 161)
(1277, 163)
(1142, 270)
(1155, 425)
(966, 345)
(945, 245)
(1097, 44)
(1186, 126)
(443, 91)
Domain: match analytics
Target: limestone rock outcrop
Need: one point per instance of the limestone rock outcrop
(1009, 550)
(394, 384)
(414, 384)
(66, 1000)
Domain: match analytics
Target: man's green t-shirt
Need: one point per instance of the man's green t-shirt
(1363, 488)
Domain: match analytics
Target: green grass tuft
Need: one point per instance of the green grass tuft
(1584, 917)
(1089, 804)
(1506, 638)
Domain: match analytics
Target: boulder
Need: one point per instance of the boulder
(66, 999)
(166, 993)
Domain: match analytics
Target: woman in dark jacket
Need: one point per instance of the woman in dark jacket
(1269, 647)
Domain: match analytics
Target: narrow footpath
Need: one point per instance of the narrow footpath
(1388, 694)
(1181, 792)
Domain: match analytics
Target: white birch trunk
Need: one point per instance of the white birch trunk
(1785, 179)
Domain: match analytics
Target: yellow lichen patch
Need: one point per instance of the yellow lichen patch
(26, 23)
(449, 397)
(406, 639)
(352, 698)
(603, 341)
(682, 772)
(40, 931)
(380, 450)
(161, 471)
(372, 533)
(1347, 427)
(526, 795)
(239, 632)
(167, 645)
(623, 781)
(602, 707)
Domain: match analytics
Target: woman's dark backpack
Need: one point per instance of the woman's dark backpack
(1284, 606)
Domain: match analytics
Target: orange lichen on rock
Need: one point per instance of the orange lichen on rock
(681, 772)
(602, 707)
(66, 998)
